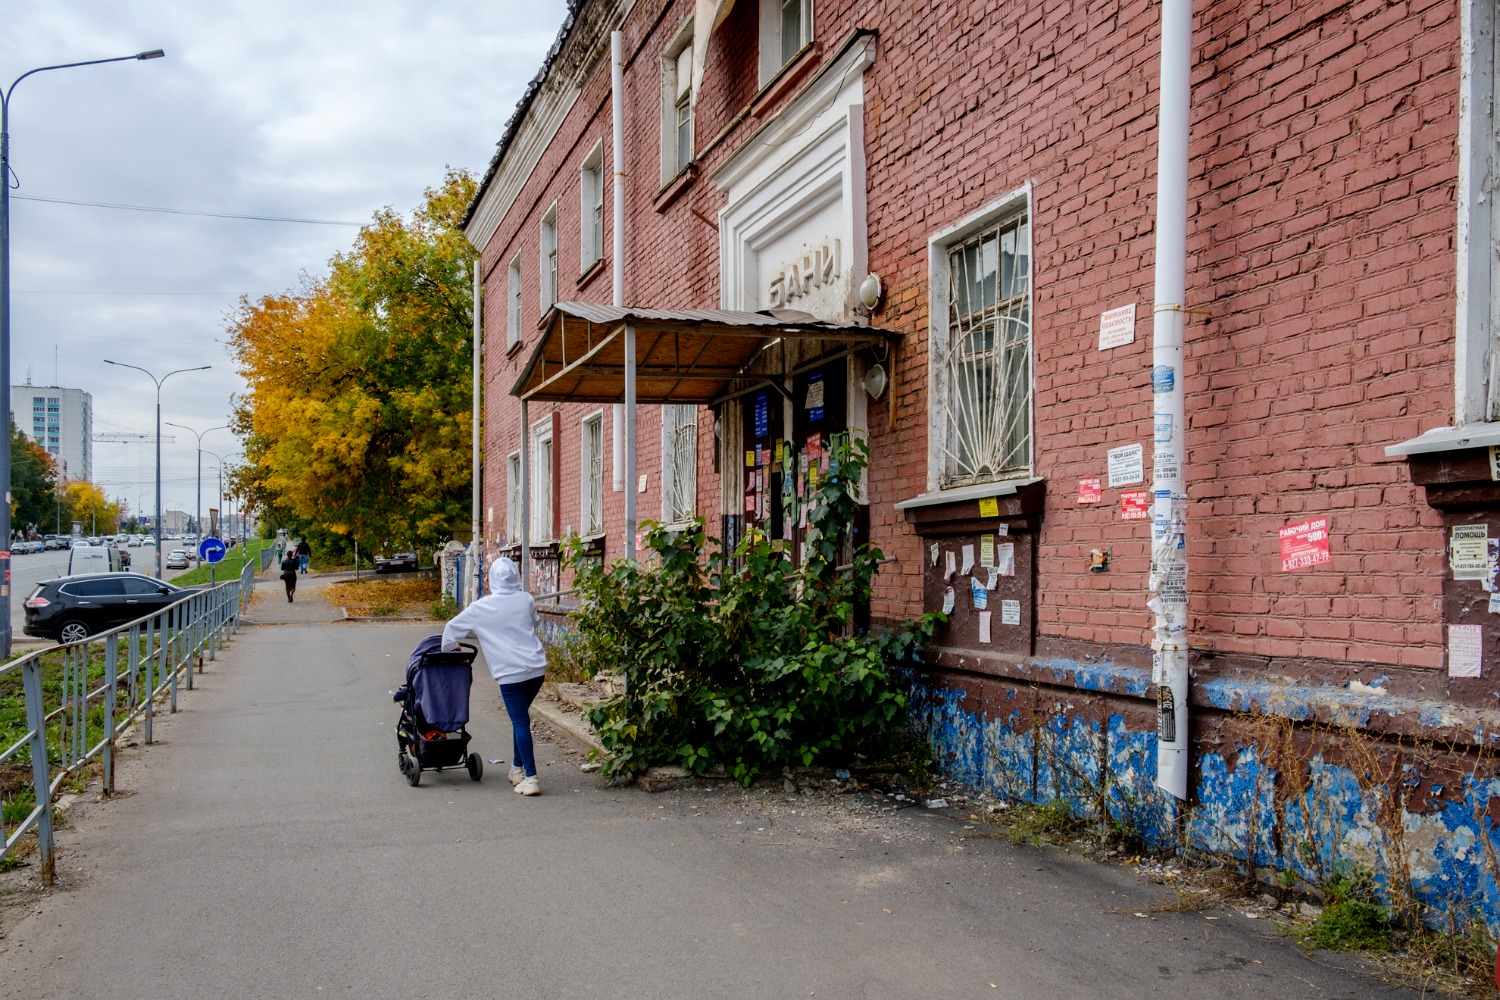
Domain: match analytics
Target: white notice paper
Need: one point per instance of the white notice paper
(1010, 612)
(949, 599)
(1117, 327)
(968, 559)
(932, 550)
(950, 565)
(993, 580)
(984, 626)
(1127, 465)
(1468, 551)
(1005, 558)
(1465, 650)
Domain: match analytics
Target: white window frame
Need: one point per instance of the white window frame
(548, 258)
(773, 55)
(678, 467)
(542, 457)
(1016, 204)
(591, 492)
(513, 497)
(676, 93)
(513, 300)
(591, 209)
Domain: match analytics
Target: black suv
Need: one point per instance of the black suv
(73, 608)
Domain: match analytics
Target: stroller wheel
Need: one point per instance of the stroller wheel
(413, 771)
(476, 766)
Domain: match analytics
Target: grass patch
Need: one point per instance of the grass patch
(444, 607)
(1045, 823)
(408, 598)
(228, 569)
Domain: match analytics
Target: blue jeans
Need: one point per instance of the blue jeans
(302, 563)
(518, 698)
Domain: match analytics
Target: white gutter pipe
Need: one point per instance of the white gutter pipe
(1168, 580)
(617, 157)
(474, 428)
(525, 497)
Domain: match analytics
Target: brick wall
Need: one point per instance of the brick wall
(1320, 279)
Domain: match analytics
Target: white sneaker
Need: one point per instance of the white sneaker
(529, 786)
(516, 775)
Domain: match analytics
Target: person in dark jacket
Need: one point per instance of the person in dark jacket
(304, 552)
(289, 573)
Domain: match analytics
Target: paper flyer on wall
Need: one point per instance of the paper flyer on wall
(968, 559)
(980, 594)
(1005, 559)
(950, 600)
(986, 550)
(1465, 650)
(1010, 612)
(984, 626)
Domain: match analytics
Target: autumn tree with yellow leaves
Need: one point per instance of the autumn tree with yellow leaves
(356, 420)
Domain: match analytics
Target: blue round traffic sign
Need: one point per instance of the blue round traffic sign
(211, 550)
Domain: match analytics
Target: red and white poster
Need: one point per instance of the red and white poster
(1088, 490)
(1135, 505)
(1305, 544)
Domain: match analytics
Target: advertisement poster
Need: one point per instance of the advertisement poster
(1304, 544)
(1089, 490)
(1135, 505)
(1468, 551)
(1127, 465)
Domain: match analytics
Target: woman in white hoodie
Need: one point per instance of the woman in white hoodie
(504, 622)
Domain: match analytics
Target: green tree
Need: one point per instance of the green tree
(356, 422)
(33, 483)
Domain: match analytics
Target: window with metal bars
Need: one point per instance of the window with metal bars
(541, 482)
(592, 515)
(679, 451)
(988, 365)
(513, 498)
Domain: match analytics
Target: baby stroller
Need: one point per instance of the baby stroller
(430, 734)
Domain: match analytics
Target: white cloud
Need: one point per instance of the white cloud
(328, 111)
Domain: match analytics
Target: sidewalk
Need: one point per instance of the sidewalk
(269, 847)
(269, 606)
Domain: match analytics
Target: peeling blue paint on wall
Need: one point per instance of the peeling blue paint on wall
(1038, 747)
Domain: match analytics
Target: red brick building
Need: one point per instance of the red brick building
(996, 169)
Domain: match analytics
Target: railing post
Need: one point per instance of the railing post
(111, 692)
(171, 629)
(150, 655)
(36, 721)
(190, 638)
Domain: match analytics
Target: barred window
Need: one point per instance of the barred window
(592, 517)
(988, 364)
(679, 462)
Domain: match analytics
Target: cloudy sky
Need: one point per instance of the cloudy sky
(318, 111)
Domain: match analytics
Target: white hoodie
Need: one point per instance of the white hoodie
(505, 624)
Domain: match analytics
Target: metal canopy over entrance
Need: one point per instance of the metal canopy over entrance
(680, 356)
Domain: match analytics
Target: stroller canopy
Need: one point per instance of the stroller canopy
(440, 684)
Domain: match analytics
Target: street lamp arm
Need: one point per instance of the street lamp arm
(150, 54)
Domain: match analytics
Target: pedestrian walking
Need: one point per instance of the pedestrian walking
(504, 622)
(304, 552)
(289, 574)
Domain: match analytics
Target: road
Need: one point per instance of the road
(27, 569)
(270, 848)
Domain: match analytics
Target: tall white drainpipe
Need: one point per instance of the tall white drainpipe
(1168, 580)
(474, 427)
(617, 99)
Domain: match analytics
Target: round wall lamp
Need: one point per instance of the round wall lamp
(875, 381)
(871, 293)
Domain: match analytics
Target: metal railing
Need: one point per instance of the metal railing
(81, 696)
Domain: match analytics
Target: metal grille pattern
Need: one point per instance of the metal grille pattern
(680, 460)
(593, 443)
(988, 432)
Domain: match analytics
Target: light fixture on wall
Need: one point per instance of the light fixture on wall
(875, 381)
(871, 293)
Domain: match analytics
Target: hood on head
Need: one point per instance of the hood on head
(504, 577)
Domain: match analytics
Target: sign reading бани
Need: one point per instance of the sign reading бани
(816, 266)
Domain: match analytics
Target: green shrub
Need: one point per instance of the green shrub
(444, 607)
(1352, 925)
(737, 658)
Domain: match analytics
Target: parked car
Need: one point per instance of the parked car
(397, 562)
(72, 608)
(178, 559)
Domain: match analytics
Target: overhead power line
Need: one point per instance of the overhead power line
(184, 211)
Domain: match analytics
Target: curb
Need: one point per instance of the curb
(570, 726)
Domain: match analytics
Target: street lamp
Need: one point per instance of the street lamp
(198, 514)
(5, 379)
(158, 381)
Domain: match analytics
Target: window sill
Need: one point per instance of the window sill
(541, 323)
(515, 348)
(787, 77)
(1440, 439)
(590, 273)
(673, 189)
(1018, 504)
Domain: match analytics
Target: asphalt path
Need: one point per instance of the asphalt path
(269, 847)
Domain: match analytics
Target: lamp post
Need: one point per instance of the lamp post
(198, 514)
(157, 525)
(5, 379)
